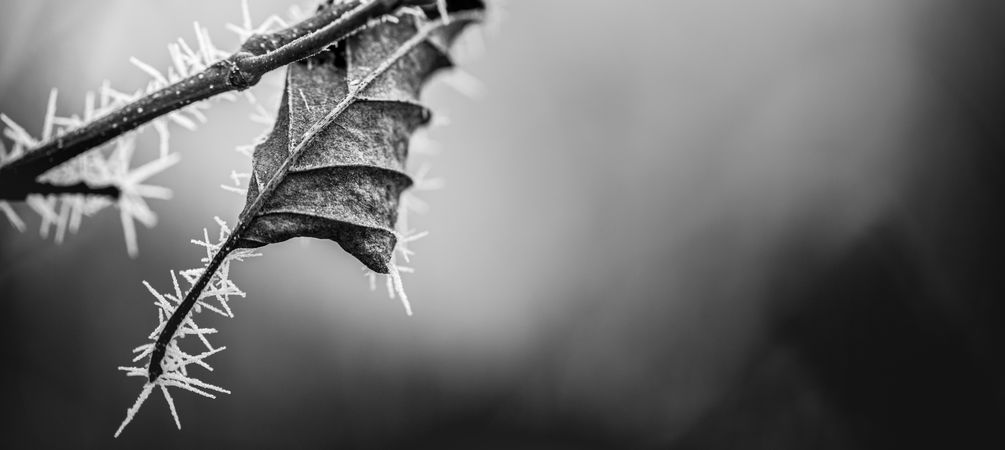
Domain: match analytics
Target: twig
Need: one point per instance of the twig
(257, 56)
(19, 192)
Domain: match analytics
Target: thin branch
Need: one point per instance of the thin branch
(258, 55)
(246, 219)
(21, 191)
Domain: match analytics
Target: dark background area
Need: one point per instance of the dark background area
(680, 224)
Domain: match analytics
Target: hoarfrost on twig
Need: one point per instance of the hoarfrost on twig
(176, 362)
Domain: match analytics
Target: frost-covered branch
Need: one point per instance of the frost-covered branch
(260, 54)
(107, 177)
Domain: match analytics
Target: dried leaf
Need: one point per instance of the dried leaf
(345, 184)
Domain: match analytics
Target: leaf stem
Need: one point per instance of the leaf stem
(257, 56)
(178, 316)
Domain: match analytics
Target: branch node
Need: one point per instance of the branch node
(236, 77)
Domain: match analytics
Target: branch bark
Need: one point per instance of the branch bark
(257, 56)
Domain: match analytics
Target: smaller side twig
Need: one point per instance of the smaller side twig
(21, 190)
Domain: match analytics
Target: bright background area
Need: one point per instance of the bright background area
(643, 197)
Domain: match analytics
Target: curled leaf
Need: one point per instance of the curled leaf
(345, 184)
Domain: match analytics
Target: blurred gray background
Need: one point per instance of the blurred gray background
(666, 224)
